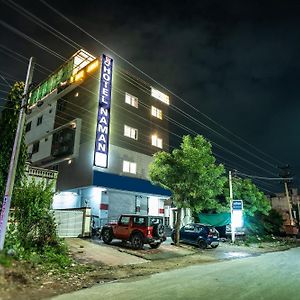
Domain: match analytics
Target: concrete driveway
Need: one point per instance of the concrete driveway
(86, 250)
(118, 253)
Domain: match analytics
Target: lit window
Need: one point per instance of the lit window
(156, 112)
(156, 141)
(131, 100)
(92, 66)
(76, 94)
(129, 167)
(79, 76)
(160, 96)
(130, 132)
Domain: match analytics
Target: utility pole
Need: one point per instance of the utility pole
(231, 198)
(285, 174)
(15, 156)
(298, 205)
(289, 203)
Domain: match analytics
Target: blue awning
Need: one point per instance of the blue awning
(125, 183)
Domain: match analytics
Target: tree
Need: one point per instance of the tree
(254, 200)
(191, 174)
(8, 127)
(256, 206)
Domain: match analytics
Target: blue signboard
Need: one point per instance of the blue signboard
(237, 204)
(103, 119)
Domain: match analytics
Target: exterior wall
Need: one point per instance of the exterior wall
(77, 103)
(77, 172)
(280, 204)
(171, 214)
(123, 113)
(40, 132)
(66, 200)
(80, 101)
(116, 157)
(39, 174)
(43, 132)
(108, 205)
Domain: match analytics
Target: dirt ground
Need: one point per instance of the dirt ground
(23, 281)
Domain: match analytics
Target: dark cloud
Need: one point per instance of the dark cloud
(235, 61)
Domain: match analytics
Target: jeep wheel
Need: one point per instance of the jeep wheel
(214, 246)
(158, 230)
(107, 236)
(154, 245)
(137, 241)
(202, 244)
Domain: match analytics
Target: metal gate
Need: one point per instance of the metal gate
(69, 222)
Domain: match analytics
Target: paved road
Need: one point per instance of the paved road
(269, 276)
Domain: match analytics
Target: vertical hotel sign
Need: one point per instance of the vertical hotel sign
(102, 130)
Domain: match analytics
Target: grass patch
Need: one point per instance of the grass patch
(5, 260)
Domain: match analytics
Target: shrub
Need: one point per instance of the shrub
(34, 222)
(32, 233)
(5, 260)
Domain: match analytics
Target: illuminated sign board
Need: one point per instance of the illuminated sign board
(71, 71)
(160, 96)
(237, 213)
(102, 130)
(237, 204)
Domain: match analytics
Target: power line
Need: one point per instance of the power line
(28, 38)
(21, 58)
(186, 115)
(149, 77)
(232, 142)
(232, 153)
(6, 82)
(126, 140)
(265, 178)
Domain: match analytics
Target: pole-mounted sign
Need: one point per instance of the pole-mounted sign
(237, 204)
(236, 213)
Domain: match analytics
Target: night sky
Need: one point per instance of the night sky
(235, 62)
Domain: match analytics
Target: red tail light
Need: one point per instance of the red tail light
(149, 230)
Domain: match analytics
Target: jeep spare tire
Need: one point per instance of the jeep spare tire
(158, 230)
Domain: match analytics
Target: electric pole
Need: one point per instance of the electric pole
(15, 156)
(231, 199)
(286, 174)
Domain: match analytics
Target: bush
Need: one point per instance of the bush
(264, 225)
(32, 233)
(5, 260)
(34, 222)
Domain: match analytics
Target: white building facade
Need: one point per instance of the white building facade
(99, 126)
